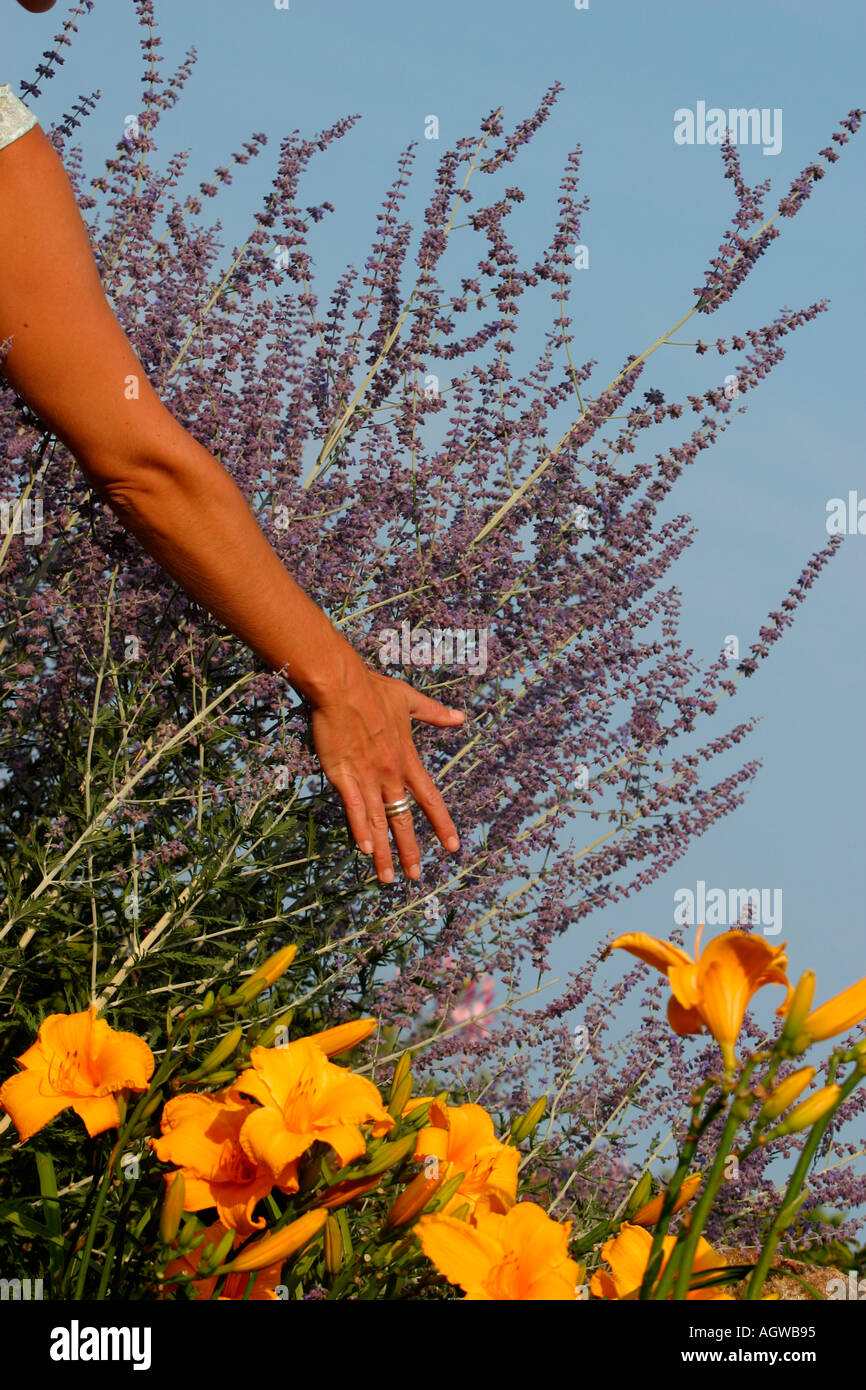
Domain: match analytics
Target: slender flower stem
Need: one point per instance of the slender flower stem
(687, 1153)
(787, 1207)
(682, 1266)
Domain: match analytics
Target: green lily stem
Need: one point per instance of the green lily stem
(787, 1210)
(73, 1241)
(94, 1220)
(696, 1131)
(680, 1264)
(124, 1132)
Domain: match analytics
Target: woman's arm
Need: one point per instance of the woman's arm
(70, 361)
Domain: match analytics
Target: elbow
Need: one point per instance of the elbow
(137, 494)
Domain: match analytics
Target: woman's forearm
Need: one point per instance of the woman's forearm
(195, 522)
(185, 510)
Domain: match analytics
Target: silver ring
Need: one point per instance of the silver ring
(395, 808)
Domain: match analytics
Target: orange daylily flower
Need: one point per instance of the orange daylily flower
(650, 1214)
(521, 1254)
(713, 991)
(305, 1098)
(841, 1013)
(628, 1256)
(78, 1060)
(463, 1140)
(235, 1285)
(201, 1136)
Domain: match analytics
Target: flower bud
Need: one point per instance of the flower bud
(801, 1003)
(400, 1071)
(213, 1258)
(333, 1245)
(809, 1111)
(785, 1093)
(419, 1112)
(446, 1192)
(412, 1200)
(268, 973)
(191, 1229)
(344, 1037)
(523, 1125)
(172, 1209)
(399, 1096)
(389, 1155)
(641, 1194)
(219, 1054)
(649, 1214)
(278, 1027)
(384, 1255)
(340, 1193)
(223, 1077)
(153, 1104)
(278, 1246)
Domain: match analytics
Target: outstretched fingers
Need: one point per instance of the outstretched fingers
(430, 800)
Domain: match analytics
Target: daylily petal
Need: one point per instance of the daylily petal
(235, 1285)
(125, 1061)
(346, 1140)
(192, 1136)
(706, 1257)
(432, 1143)
(249, 1083)
(723, 1002)
(470, 1128)
(348, 1099)
(236, 1201)
(99, 1113)
(684, 1021)
(265, 1140)
(65, 1033)
(601, 1285)
(628, 1255)
(197, 1193)
(661, 954)
(463, 1254)
(684, 983)
(31, 1107)
(554, 1286)
(534, 1237)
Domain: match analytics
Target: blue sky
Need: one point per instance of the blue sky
(657, 213)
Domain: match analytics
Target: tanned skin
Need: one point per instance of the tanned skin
(69, 361)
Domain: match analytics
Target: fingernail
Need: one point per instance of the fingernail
(366, 847)
(387, 876)
(452, 843)
(414, 871)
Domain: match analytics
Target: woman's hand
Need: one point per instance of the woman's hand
(363, 739)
